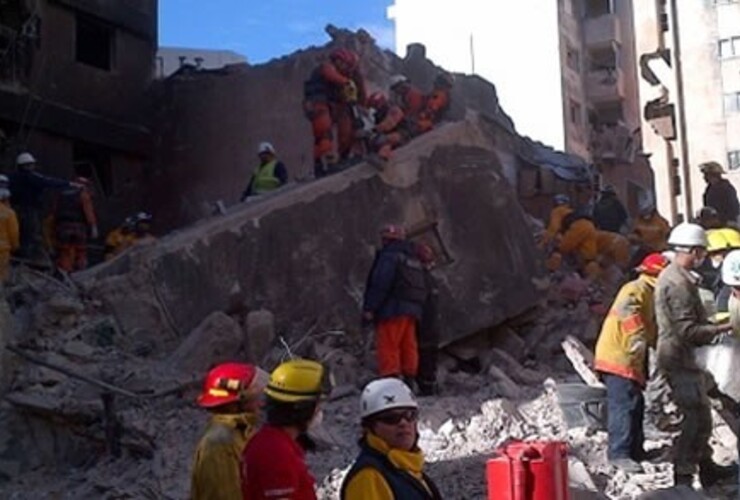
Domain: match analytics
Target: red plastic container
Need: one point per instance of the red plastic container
(535, 470)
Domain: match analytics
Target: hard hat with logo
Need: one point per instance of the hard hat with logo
(653, 264)
(688, 235)
(397, 80)
(722, 239)
(385, 394)
(265, 147)
(231, 382)
(561, 199)
(25, 159)
(711, 167)
(731, 269)
(299, 380)
(393, 232)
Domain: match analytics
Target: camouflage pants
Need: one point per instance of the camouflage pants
(689, 392)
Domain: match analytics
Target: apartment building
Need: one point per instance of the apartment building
(564, 70)
(690, 94)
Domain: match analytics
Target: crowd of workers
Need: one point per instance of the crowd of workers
(31, 233)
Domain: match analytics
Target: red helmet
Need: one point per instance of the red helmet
(377, 100)
(393, 232)
(346, 56)
(653, 264)
(230, 382)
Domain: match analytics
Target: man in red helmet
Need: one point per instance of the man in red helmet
(389, 131)
(232, 394)
(622, 359)
(330, 94)
(74, 221)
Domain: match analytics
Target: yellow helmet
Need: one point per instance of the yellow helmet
(725, 238)
(298, 380)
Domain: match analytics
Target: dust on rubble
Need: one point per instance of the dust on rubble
(53, 439)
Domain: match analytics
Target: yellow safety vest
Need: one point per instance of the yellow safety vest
(264, 178)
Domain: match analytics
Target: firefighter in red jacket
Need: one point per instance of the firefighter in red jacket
(74, 220)
(331, 95)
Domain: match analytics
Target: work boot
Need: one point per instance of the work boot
(711, 473)
(626, 465)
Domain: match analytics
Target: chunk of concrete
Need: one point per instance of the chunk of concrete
(502, 384)
(217, 339)
(260, 333)
(507, 340)
(503, 360)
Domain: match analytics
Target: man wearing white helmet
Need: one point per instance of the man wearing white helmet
(390, 464)
(731, 278)
(269, 175)
(683, 326)
(27, 187)
(9, 238)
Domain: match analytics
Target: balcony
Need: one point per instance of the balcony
(602, 31)
(613, 144)
(605, 85)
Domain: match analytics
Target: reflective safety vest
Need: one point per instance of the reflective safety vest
(264, 178)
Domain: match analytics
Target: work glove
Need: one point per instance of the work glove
(94, 232)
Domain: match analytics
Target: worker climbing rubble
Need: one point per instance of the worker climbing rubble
(390, 464)
(578, 244)
(561, 208)
(74, 222)
(621, 358)
(269, 175)
(389, 131)
(232, 393)
(683, 326)
(395, 294)
(650, 230)
(331, 96)
(720, 193)
(410, 99)
(436, 103)
(273, 464)
(120, 238)
(9, 231)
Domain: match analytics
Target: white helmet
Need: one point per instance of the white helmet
(4, 193)
(398, 79)
(4, 181)
(265, 147)
(688, 235)
(385, 394)
(731, 269)
(25, 159)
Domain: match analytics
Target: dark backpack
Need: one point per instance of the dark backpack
(410, 284)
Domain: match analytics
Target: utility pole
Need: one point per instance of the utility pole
(472, 55)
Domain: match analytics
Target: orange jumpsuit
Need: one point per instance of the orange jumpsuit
(555, 223)
(435, 105)
(390, 130)
(580, 240)
(652, 232)
(9, 238)
(326, 106)
(73, 217)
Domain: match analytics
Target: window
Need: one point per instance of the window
(575, 112)
(573, 59)
(729, 47)
(733, 160)
(732, 103)
(94, 42)
(597, 8)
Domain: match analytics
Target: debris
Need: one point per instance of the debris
(260, 327)
(582, 360)
(217, 339)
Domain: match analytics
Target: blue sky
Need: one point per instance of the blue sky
(262, 30)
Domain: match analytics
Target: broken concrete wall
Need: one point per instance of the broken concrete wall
(305, 254)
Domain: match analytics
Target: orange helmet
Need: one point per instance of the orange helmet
(346, 56)
(653, 264)
(393, 232)
(377, 100)
(230, 382)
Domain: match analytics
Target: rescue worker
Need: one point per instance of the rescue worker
(74, 220)
(394, 299)
(650, 229)
(613, 248)
(683, 326)
(719, 243)
(232, 393)
(143, 227)
(27, 187)
(708, 218)
(622, 359)
(120, 238)
(389, 131)
(331, 96)
(609, 213)
(720, 193)
(579, 242)
(411, 100)
(273, 464)
(436, 103)
(390, 465)
(561, 209)
(269, 175)
(731, 279)
(428, 328)
(9, 231)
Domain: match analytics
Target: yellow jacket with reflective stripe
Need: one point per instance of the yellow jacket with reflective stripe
(628, 330)
(369, 484)
(217, 459)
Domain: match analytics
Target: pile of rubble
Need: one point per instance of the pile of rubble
(58, 440)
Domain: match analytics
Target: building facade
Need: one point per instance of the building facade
(75, 77)
(690, 95)
(566, 75)
(170, 59)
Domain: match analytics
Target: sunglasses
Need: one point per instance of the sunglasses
(395, 417)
